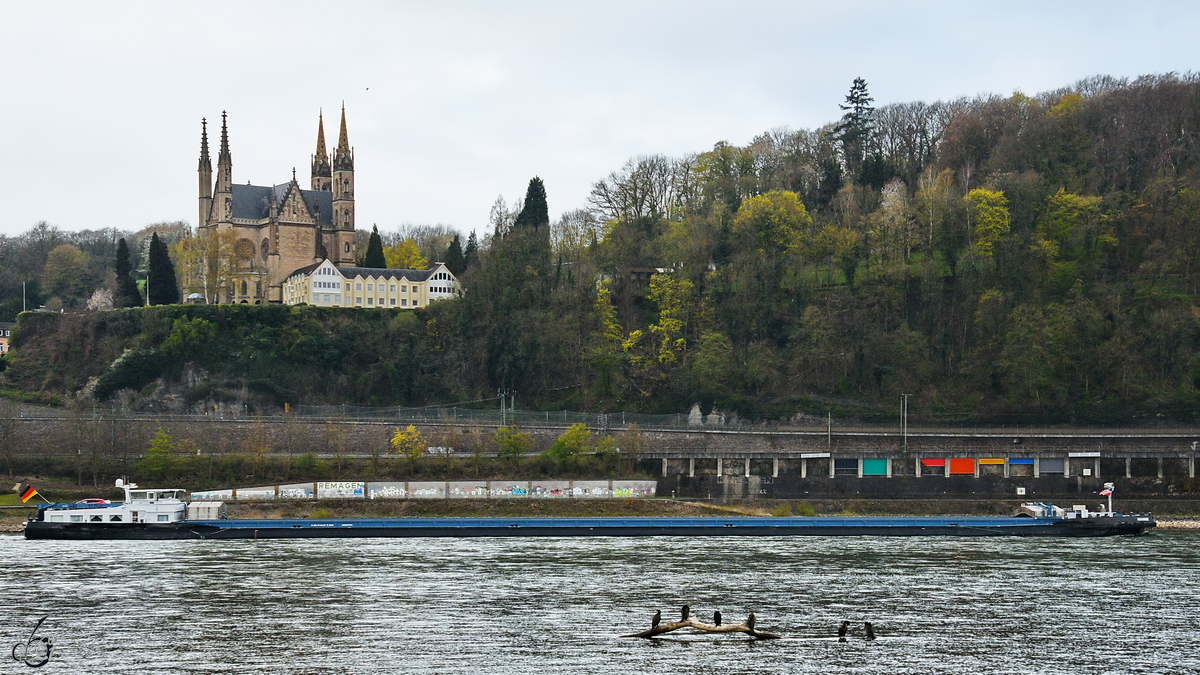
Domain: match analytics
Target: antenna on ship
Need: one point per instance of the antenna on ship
(1107, 492)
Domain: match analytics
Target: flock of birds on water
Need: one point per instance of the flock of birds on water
(686, 612)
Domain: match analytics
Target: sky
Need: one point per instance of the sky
(451, 104)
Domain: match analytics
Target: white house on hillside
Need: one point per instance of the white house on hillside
(327, 285)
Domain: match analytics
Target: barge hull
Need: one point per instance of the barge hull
(594, 527)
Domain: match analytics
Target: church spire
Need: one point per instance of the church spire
(321, 171)
(205, 171)
(321, 133)
(224, 196)
(343, 157)
(343, 139)
(204, 160)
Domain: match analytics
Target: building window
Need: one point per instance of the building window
(358, 287)
(370, 287)
(347, 288)
(393, 301)
(404, 289)
(347, 247)
(337, 299)
(415, 302)
(243, 288)
(370, 301)
(404, 302)
(357, 301)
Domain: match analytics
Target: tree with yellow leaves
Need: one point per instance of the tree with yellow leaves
(408, 443)
(405, 256)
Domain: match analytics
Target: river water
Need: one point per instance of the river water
(939, 605)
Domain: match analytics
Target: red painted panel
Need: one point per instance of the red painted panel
(933, 462)
(962, 465)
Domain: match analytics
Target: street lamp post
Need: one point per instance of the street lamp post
(904, 418)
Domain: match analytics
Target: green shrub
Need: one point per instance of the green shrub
(782, 511)
(134, 370)
(805, 509)
(320, 513)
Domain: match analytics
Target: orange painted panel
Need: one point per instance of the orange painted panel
(991, 460)
(962, 465)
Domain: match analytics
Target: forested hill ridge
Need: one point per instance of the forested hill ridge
(1004, 259)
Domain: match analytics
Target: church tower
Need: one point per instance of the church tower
(205, 171)
(322, 176)
(343, 197)
(224, 197)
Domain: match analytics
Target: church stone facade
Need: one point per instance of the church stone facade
(281, 228)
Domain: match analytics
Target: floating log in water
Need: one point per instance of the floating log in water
(747, 628)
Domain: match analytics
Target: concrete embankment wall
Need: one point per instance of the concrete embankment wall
(714, 462)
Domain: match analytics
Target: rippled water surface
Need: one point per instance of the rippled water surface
(939, 605)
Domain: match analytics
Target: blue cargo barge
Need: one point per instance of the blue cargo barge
(237, 528)
(162, 514)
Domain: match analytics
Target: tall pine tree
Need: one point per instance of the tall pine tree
(455, 261)
(161, 287)
(375, 258)
(535, 215)
(126, 293)
(471, 253)
(856, 130)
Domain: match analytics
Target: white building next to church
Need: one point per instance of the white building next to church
(327, 285)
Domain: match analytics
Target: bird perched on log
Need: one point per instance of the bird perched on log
(685, 611)
(657, 617)
(842, 630)
(717, 618)
(870, 630)
(750, 622)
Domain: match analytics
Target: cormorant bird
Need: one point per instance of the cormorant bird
(750, 622)
(657, 617)
(870, 631)
(842, 630)
(717, 618)
(686, 610)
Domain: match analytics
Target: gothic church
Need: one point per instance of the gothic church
(279, 229)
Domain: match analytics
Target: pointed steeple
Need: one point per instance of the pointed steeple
(343, 157)
(321, 169)
(224, 156)
(343, 139)
(204, 160)
(321, 133)
(205, 171)
(224, 191)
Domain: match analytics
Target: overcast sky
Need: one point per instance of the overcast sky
(451, 104)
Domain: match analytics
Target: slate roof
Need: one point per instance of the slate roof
(253, 202)
(351, 272)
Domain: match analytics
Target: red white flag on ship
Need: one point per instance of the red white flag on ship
(1107, 491)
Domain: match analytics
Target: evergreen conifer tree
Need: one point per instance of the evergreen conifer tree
(455, 261)
(126, 293)
(855, 131)
(471, 253)
(535, 214)
(375, 258)
(161, 287)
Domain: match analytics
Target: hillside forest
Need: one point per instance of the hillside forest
(1001, 258)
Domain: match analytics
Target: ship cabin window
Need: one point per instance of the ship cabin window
(137, 495)
(56, 519)
(163, 517)
(96, 519)
(76, 519)
(114, 519)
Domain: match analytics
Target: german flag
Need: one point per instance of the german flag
(28, 493)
